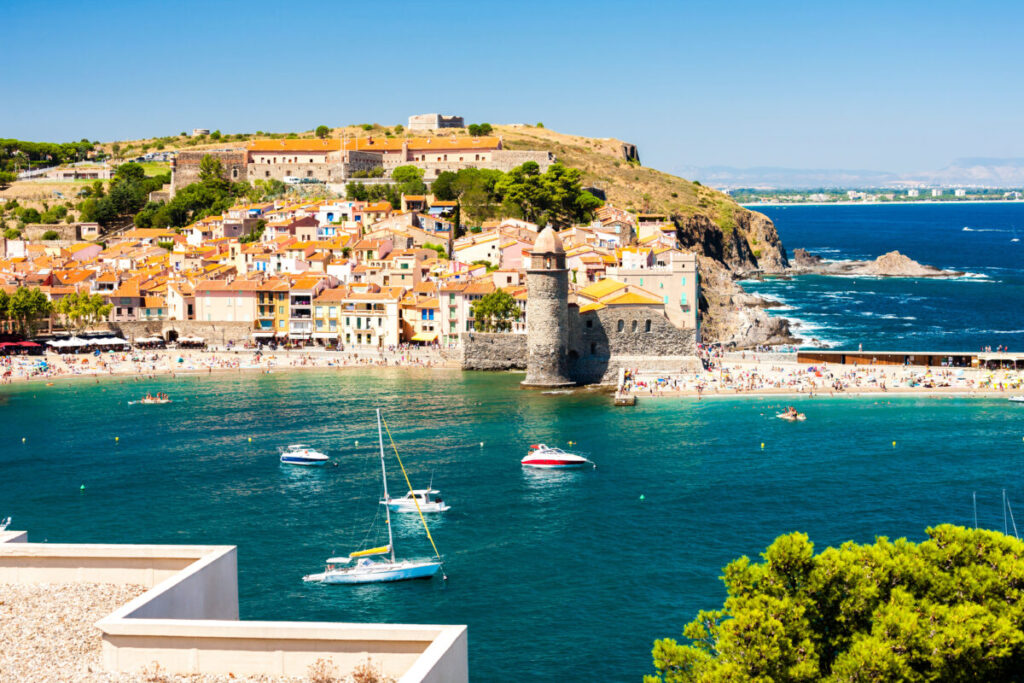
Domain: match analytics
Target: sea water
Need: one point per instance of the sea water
(982, 308)
(560, 576)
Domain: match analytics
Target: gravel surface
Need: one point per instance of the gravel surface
(47, 633)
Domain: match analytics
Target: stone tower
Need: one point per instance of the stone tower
(547, 314)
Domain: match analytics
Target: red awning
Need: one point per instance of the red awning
(27, 343)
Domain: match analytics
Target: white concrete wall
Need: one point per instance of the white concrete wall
(188, 620)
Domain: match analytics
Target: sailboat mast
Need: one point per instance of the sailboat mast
(384, 475)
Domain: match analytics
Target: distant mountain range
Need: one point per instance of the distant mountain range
(967, 172)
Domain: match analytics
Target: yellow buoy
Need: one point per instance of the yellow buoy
(250, 439)
(894, 444)
(117, 438)
(23, 439)
(762, 444)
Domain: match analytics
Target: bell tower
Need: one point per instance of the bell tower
(547, 314)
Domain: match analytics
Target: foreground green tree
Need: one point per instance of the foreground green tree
(948, 609)
(494, 312)
(81, 310)
(26, 307)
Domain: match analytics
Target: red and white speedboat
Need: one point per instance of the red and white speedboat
(546, 457)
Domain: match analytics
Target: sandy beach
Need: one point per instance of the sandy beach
(755, 377)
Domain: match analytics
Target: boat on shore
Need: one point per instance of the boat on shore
(546, 457)
(341, 570)
(301, 454)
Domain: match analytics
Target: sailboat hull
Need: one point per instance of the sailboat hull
(382, 573)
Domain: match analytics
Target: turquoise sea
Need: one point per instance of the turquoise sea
(982, 308)
(560, 576)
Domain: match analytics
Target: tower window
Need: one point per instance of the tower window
(593, 348)
(647, 326)
(633, 326)
(621, 326)
(590, 323)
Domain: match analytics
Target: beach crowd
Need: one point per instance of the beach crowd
(147, 363)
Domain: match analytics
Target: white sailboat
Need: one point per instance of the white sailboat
(367, 570)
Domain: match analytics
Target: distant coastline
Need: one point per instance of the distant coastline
(844, 202)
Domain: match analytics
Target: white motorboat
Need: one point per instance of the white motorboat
(422, 500)
(547, 457)
(1017, 399)
(366, 570)
(301, 454)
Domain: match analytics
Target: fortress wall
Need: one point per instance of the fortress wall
(324, 172)
(600, 342)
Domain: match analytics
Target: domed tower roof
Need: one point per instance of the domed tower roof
(548, 242)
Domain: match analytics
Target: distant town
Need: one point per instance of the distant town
(753, 196)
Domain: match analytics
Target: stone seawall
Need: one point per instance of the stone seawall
(494, 351)
(215, 333)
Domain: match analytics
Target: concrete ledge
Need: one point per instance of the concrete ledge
(188, 619)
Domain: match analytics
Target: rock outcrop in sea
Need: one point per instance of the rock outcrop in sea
(892, 264)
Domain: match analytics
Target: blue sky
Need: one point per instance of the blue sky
(886, 86)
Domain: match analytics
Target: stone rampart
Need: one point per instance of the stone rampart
(33, 232)
(185, 169)
(507, 159)
(500, 159)
(493, 351)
